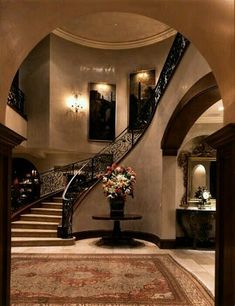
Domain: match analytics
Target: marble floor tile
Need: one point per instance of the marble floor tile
(210, 269)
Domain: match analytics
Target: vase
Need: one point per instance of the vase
(117, 207)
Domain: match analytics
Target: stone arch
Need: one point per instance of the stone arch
(18, 38)
(203, 94)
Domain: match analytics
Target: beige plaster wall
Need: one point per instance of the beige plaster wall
(16, 122)
(55, 70)
(146, 159)
(34, 82)
(73, 67)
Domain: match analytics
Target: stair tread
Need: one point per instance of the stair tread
(46, 208)
(39, 239)
(41, 216)
(33, 222)
(59, 203)
(19, 230)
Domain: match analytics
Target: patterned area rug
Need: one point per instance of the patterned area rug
(104, 280)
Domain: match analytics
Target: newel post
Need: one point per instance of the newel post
(8, 140)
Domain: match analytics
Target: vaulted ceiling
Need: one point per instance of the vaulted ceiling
(114, 30)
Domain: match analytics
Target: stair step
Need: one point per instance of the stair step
(43, 218)
(34, 225)
(23, 232)
(19, 241)
(51, 205)
(47, 211)
(58, 199)
(39, 227)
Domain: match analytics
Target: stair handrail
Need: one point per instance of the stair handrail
(129, 136)
(56, 178)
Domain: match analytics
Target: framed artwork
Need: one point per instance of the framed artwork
(102, 111)
(142, 85)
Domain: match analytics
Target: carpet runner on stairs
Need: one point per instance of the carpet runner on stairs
(39, 226)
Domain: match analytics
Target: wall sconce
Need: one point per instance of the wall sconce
(75, 103)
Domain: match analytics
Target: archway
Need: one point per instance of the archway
(19, 38)
(196, 101)
(25, 183)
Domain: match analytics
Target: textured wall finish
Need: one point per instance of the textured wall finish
(73, 67)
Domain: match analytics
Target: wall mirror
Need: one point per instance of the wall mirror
(199, 169)
(201, 172)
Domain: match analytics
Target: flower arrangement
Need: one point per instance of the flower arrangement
(118, 181)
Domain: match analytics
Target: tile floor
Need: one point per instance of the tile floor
(200, 263)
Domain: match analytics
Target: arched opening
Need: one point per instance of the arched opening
(43, 31)
(195, 102)
(180, 128)
(25, 186)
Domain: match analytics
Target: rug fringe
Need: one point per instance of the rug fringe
(72, 304)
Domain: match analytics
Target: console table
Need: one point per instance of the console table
(197, 225)
(117, 237)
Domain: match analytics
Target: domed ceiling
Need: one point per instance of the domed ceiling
(109, 30)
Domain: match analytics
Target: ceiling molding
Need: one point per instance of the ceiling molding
(115, 45)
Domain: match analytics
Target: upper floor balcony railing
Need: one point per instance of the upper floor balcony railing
(16, 100)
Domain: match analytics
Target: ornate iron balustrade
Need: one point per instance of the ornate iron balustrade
(83, 178)
(56, 179)
(16, 100)
(51, 180)
(124, 142)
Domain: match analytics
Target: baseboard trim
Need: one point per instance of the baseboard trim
(161, 243)
(167, 244)
(187, 243)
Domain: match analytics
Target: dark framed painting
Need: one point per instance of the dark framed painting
(141, 101)
(102, 106)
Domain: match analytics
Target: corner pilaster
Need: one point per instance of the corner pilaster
(224, 141)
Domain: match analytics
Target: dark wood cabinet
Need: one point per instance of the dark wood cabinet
(197, 225)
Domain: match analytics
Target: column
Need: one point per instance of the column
(168, 202)
(8, 139)
(224, 141)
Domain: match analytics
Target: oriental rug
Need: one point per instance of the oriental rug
(104, 280)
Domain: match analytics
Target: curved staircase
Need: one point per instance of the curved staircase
(39, 226)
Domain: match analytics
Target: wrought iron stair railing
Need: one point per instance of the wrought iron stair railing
(85, 172)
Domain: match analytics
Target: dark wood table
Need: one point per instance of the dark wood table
(117, 237)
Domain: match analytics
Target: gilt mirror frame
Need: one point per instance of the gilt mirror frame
(202, 152)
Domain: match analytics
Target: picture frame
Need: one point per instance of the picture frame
(142, 84)
(102, 111)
